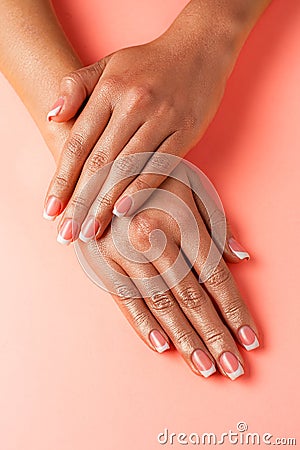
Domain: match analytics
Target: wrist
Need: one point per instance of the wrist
(213, 31)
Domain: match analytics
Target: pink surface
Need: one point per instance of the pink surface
(73, 374)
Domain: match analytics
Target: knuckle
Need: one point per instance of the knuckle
(61, 181)
(214, 336)
(105, 201)
(141, 319)
(141, 183)
(233, 309)
(138, 95)
(109, 86)
(127, 294)
(183, 337)
(219, 277)
(167, 108)
(192, 299)
(97, 160)
(71, 79)
(78, 202)
(94, 69)
(142, 225)
(75, 146)
(161, 301)
(161, 163)
(127, 165)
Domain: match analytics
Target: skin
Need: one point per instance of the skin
(158, 97)
(26, 28)
(186, 314)
(30, 68)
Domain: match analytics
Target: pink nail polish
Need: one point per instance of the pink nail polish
(248, 338)
(122, 206)
(56, 108)
(203, 363)
(158, 341)
(231, 365)
(67, 232)
(89, 229)
(237, 249)
(53, 208)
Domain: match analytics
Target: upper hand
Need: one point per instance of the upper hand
(149, 98)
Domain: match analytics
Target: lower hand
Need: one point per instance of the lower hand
(159, 293)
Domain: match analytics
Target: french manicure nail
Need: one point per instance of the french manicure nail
(231, 365)
(237, 249)
(122, 206)
(203, 363)
(67, 232)
(248, 338)
(53, 208)
(159, 341)
(55, 110)
(89, 229)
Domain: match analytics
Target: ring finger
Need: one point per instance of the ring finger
(165, 309)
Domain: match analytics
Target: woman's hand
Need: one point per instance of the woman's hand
(158, 97)
(151, 265)
(143, 99)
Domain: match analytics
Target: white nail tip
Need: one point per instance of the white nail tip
(162, 348)
(252, 346)
(239, 371)
(47, 217)
(117, 213)
(53, 112)
(63, 241)
(84, 239)
(241, 255)
(209, 372)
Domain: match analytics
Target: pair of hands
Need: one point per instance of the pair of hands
(142, 100)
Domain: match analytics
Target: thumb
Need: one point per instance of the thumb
(217, 222)
(234, 252)
(75, 87)
(213, 215)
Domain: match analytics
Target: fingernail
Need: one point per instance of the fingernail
(122, 206)
(159, 341)
(248, 338)
(55, 110)
(67, 232)
(203, 363)
(231, 365)
(53, 208)
(89, 229)
(237, 249)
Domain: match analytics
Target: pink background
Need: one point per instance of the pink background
(73, 374)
